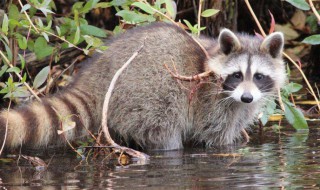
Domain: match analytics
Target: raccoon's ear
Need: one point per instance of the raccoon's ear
(273, 44)
(228, 41)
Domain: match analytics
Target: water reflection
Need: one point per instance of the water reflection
(286, 161)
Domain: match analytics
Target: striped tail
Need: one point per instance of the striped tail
(37, 124)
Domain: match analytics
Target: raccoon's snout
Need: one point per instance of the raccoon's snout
(246, 97)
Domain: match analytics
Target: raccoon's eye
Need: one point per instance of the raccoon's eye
(237, 75)
(258, 76)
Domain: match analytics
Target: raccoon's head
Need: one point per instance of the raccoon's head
(250, 68)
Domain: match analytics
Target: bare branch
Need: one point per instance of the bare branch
(6, 132)
(246, 136)
(188, 78)
(104, 121)
(314, 10)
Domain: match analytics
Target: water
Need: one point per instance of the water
(287, 160)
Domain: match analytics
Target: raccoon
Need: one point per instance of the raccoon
(148, 106)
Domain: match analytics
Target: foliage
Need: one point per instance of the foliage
(293, 115)
(312, 21)
(36, 34)
(300, 4)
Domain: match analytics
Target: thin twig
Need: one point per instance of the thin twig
(188, 78)
(199, 16)
(104, 120)
(287, 56)
(71, 44)
(202, 48)
(28, 18)
(6, 132)
(246, 136)
(305, 79)
(314, 10)
(255, 18)
(108, 96)
(280, 100)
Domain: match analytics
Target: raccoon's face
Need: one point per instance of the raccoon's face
(250, 68)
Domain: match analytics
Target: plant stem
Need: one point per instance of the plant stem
(255, 18)
(71, 44)
(199, 16)
(314, 10)
(35, 28)
(6, 132)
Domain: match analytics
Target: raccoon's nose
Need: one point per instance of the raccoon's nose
(246, 97)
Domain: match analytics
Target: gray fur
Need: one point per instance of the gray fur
(154, 110)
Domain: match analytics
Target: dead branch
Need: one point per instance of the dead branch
(196, 77)
(6, 131)
(245, 135)
(104, 122)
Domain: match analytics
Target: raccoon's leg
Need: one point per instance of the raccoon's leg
(151, 125)
(37, 123)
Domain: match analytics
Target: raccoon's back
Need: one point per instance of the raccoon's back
(148, 105)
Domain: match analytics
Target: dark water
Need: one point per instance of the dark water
(287, 160)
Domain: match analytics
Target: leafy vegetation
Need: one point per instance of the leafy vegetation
(38, 35)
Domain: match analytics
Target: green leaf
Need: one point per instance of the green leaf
(292, 87)
(30, 45)
(45, 11)
(118, 30)
(120, 2)
(300, 4)
(14, 12)
(194, 30)
(92, 30)
(294, 116)
(158, 4)
(88, 6)
(133, 18)
(77, 36)
(8, 51)
(268, 110)
(77, 5)
(144, 6)
(313, 40)
(40, 23)
(13, 70)
(58, 30)
(21, 92)
(41, 77)
(5, 24)
(45, 35)
(25, 7)
(48, 27)
(41, 48)
(22, 42)
(171, 10)
(24, 78)
(22, 60)
(13, 24)
(3, 70)
(209, 12)
(103, 5)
